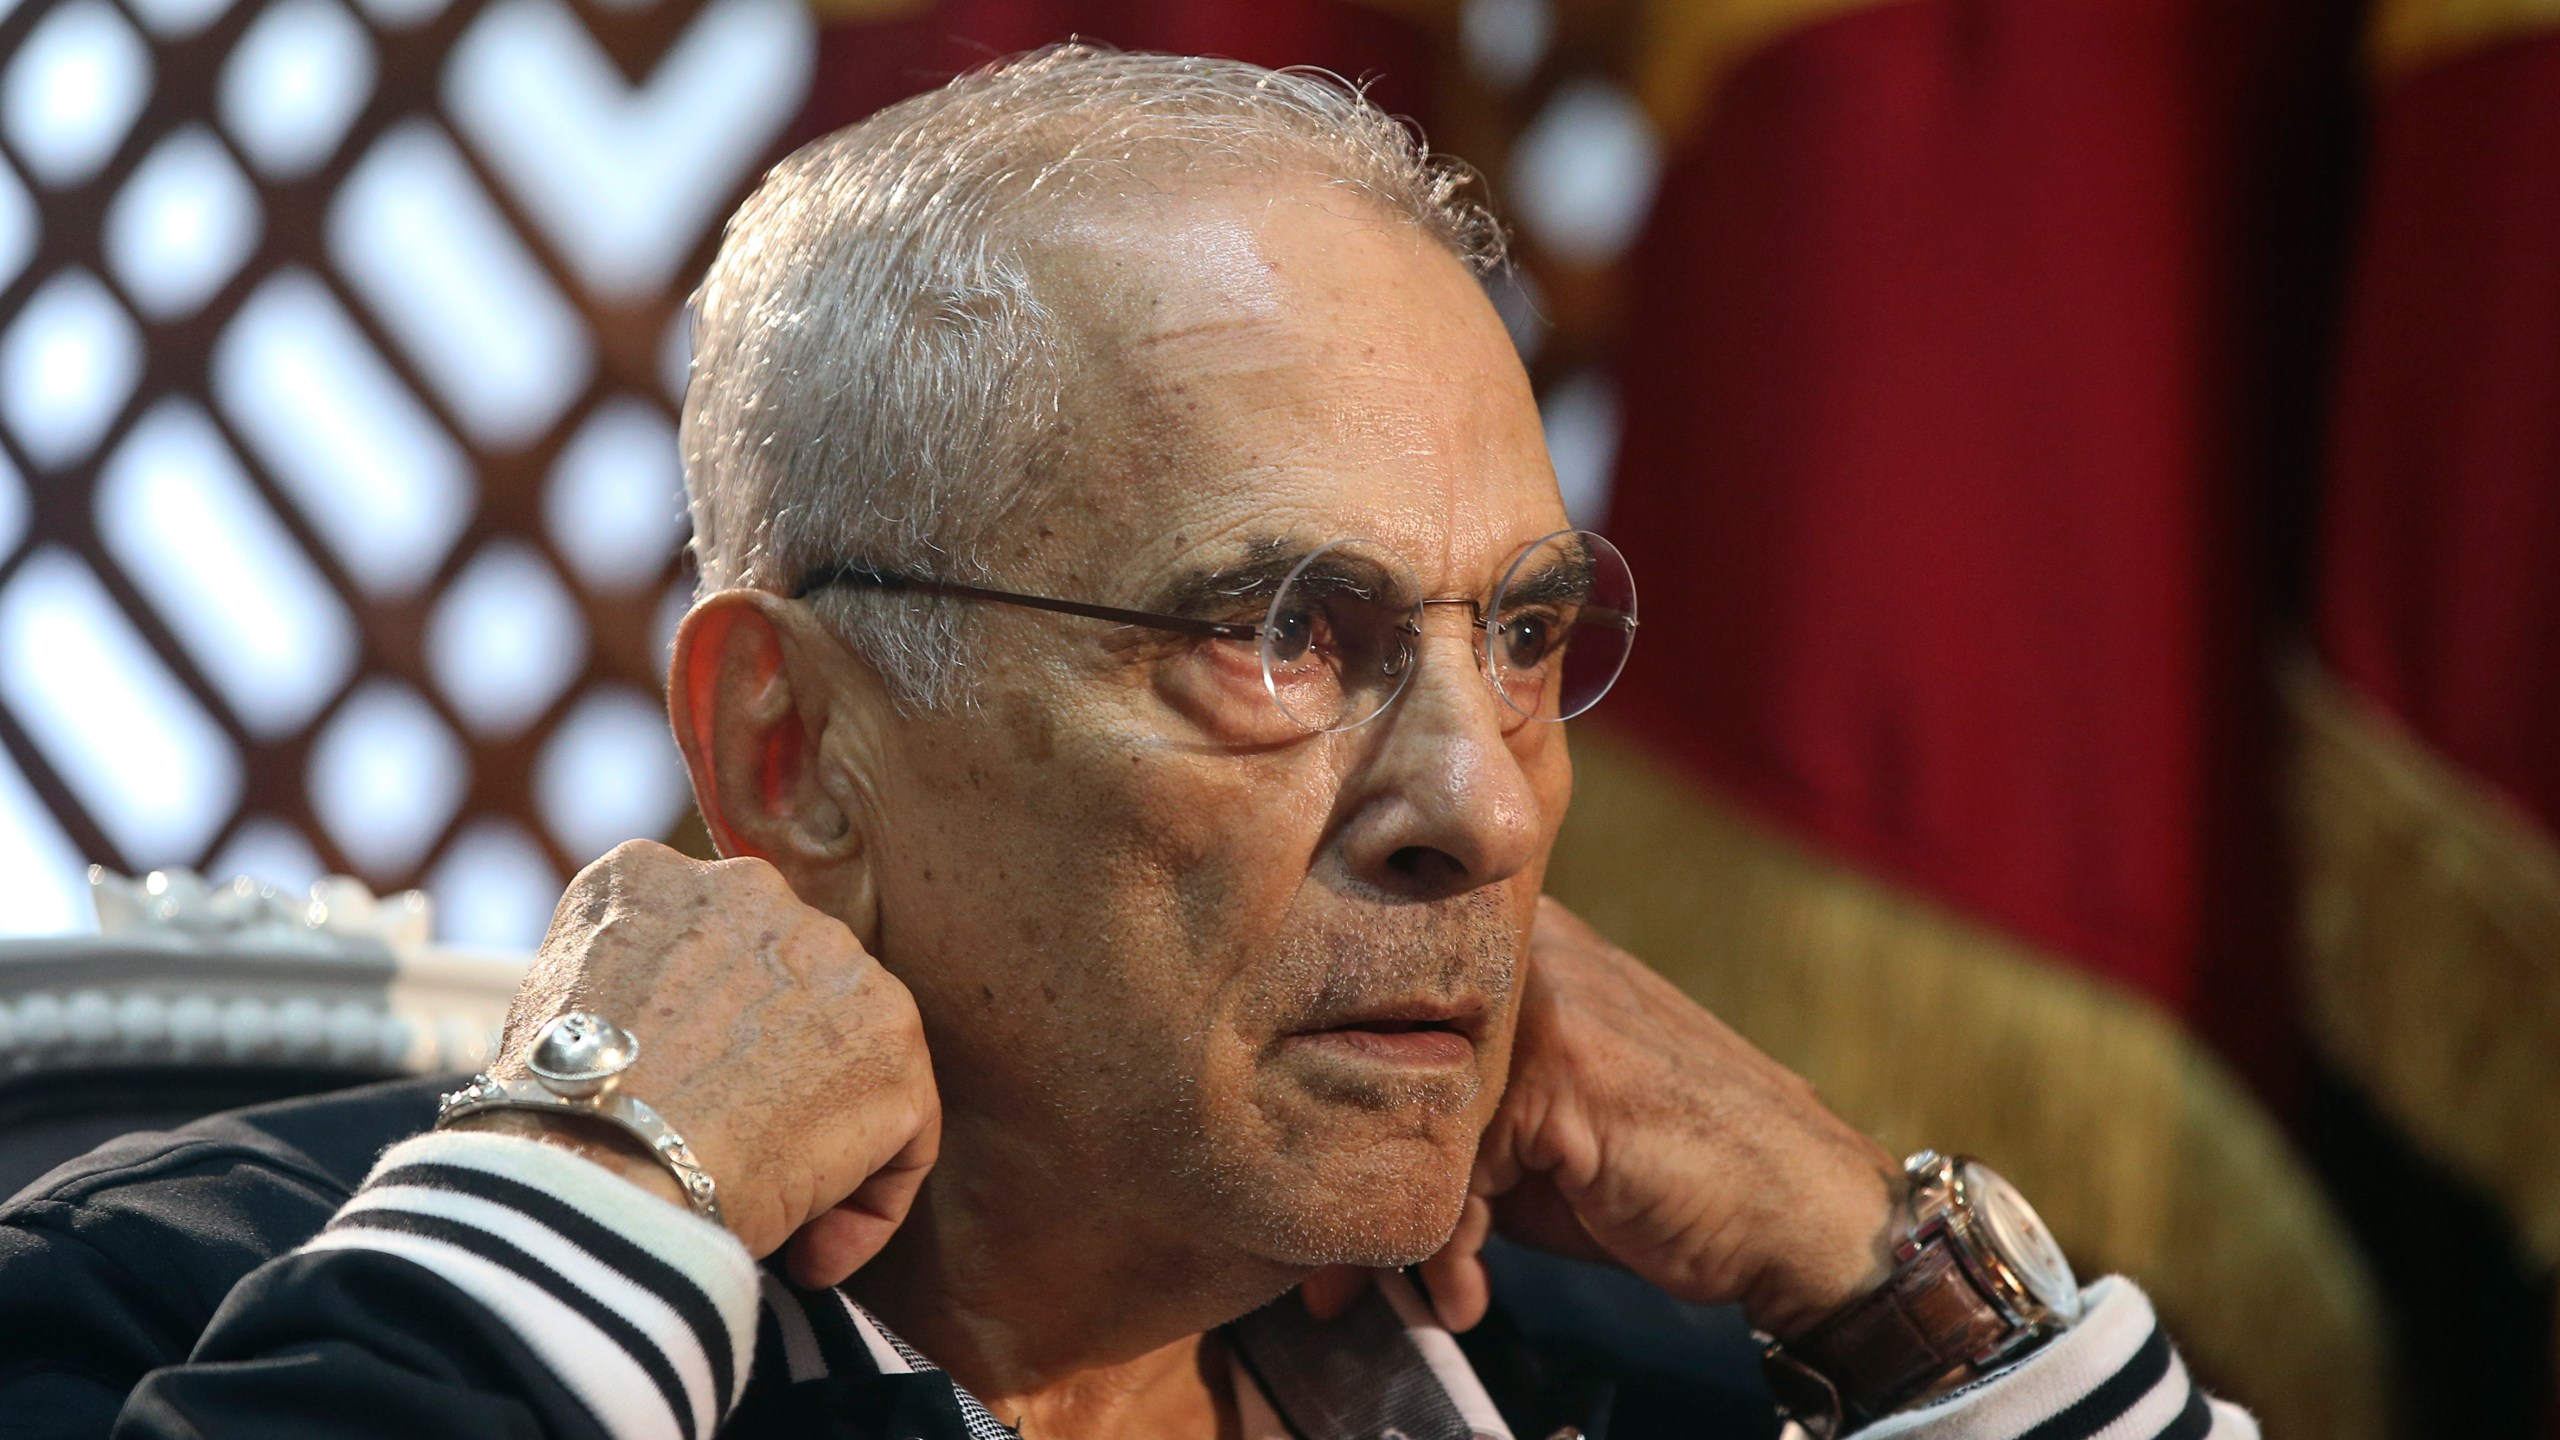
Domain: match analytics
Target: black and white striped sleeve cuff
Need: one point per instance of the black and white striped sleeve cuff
(643, 1310)
(2113, 1375)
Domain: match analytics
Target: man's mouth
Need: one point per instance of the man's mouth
(1425, 1034)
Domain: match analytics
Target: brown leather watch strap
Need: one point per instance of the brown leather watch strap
(1922, 1325)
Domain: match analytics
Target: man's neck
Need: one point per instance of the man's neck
(1064, 1323)
(1180, 1392)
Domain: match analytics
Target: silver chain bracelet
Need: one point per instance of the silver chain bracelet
(577, 1062)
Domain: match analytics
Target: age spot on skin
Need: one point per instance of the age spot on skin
(1032, 731)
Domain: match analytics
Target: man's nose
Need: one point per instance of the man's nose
(1442, 802)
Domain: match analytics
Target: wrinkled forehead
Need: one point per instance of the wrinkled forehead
(1259, 364)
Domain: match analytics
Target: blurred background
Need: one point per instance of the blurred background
(2094, 467)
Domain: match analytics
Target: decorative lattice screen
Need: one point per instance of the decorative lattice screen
(338, 504)
(338, 344)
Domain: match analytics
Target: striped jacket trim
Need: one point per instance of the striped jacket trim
(654, 1319)
(643, 1311)
(2114, 1375)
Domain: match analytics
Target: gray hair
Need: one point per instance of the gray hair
(874, 378)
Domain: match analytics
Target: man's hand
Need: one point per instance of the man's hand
(790, 1060)
(1639, 1129)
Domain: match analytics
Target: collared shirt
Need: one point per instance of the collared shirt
(1386, 1368)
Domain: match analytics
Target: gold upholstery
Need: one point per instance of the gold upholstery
(2431, 939)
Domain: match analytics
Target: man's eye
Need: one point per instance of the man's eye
(1291, 632)
(1529, 638)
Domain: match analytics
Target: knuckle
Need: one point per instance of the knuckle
(633, 853)
(924, 1103)
(906, 1027)
(749, 875)
(635, 857)
(595, 883)
(747, 867)
(826, 931)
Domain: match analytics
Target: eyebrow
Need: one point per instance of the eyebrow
(1267, 561)
(1566, 580)
(1200, 589)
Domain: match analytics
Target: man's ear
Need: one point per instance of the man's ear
(752, 697)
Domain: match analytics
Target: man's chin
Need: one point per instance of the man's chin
(1375, 1228)
(1373, 1170)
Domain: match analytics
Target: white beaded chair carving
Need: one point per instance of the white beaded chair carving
(194, 998)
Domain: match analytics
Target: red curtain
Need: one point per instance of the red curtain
(1942, 473)
(2441, 592)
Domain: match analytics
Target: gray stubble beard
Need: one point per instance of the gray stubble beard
(1278, 1201)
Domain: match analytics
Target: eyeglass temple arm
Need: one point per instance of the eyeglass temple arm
(851, 574)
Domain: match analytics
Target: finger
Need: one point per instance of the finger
(1556, 924)
(1455, 1278)
(1497, 1169)
(890, 1191)
(825, 1252)
(914, 1158)
(1538, 1215)
(1331, 1291)
(843, 1238)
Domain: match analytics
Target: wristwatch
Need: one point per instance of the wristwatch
(1977, 1283)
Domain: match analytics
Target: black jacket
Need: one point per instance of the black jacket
(148, 1289)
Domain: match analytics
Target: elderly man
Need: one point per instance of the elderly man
(1137, 613)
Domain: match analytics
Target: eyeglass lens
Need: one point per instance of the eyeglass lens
(1561, 626)
(1338, 640)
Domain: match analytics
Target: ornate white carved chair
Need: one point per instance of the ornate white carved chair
(194, 998)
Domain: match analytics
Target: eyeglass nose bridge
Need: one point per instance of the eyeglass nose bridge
(1409, 637)
(1477, 619)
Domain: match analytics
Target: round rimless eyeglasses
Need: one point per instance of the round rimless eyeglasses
(1339, 633)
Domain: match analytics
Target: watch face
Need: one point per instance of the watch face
(2018, 1235)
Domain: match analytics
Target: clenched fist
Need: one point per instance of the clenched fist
(790, 1060)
